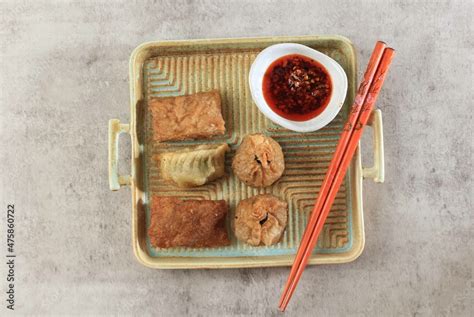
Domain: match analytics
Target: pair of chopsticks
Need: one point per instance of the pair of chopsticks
(361, 110)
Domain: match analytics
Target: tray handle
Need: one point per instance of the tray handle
(376, 172)
(115, 129)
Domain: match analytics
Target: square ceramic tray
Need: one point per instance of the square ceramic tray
(162, 69)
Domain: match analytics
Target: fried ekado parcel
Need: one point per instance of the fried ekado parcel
(193, 116)
(259, 161)
(188, 223)
(260, 220)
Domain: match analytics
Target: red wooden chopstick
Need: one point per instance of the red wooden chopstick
(335, 162)
(320, 215)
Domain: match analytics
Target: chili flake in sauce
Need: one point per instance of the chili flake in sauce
(297, 87)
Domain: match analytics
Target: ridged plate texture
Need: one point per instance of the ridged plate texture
(307, 155)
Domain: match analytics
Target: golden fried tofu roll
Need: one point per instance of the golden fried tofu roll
(188, 223)
(193, 116)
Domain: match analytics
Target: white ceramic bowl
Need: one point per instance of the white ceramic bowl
(337, 74)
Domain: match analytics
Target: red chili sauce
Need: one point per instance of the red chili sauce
(297, 87)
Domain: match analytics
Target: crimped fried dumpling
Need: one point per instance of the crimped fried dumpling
(194, 166)
(260, 220)
(259, 161)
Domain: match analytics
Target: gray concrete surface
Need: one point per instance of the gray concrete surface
(64, 73)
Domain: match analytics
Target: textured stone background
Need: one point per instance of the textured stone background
(64, 73)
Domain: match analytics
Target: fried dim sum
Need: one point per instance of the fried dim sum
(193, 116)
(260, 220)
(259, 161)
(188, 223)
(193, 166)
